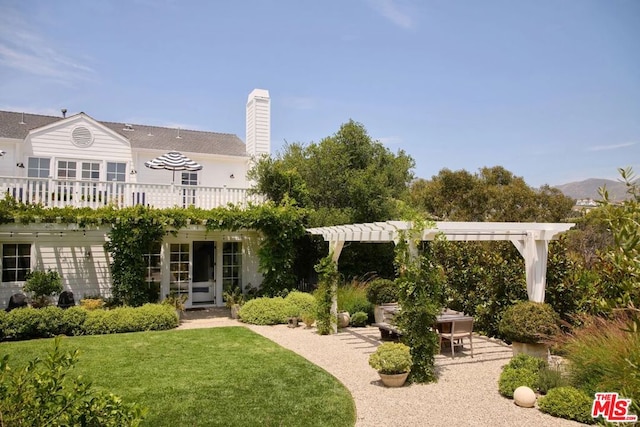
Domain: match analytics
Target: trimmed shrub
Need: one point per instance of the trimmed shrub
(569, 403)
(73, 319)
(529, 322)
(382, 291)
(266, 311)
(511, 379)
(524, 361)
(359, 319)
(391, 358)
(353, 298)
(92, 303)
(131, 319)
(302, 302)
(522, 370)
(549, 379)
(26, 323)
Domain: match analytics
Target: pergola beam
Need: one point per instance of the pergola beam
(531, 239)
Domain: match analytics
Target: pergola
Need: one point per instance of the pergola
(531, 239)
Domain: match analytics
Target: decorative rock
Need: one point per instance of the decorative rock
(524, 396)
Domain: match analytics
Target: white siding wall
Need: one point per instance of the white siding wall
(258, 137)
(66, 254)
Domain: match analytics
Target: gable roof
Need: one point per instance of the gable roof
(141, 136)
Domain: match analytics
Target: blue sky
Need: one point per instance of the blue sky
(548, 89)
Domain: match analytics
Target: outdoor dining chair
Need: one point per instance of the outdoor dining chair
(460, 329)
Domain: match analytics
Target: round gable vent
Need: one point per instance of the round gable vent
(82, 136)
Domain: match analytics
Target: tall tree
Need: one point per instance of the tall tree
(493, 194)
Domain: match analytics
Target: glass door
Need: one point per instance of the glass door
(203, 286)
(179, 267)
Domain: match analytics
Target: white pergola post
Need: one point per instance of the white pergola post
(335, 248)
(535, 253)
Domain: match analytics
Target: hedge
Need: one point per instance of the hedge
(267, 311)
(28, 323)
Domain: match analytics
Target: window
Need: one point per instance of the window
(90, 171)
(38, 167)
(179, 266)
(66, 169)
(188, 194)
(16, 261)
(153, 272)
(116, 172)
(231, 266)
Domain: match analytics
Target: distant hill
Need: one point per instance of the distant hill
(588, 189)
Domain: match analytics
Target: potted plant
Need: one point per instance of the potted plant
(308, 317)
(233, 300)
(393, 363)
(381, 292)
(528, 325)
(177, 301)
(42, 286)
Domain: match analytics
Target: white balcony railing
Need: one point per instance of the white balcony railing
(94, 194)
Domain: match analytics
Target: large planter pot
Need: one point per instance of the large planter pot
(378, 311)
(343, 319)
(541, 351)
(234, 311)
(393, 380)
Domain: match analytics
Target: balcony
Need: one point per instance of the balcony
(94, 194)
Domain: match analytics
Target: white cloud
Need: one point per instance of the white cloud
(611, 147)
(391, 10)
(24, 49)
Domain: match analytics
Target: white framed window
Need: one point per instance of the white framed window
(188, 194)
(16, 261)
(38, 167)
(179, 267)
(116, 171)
(231, 266)
(90, 171)
(67, 169)
(153, 271)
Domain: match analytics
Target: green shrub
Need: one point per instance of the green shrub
(267, 311)
(154, 317)
(529, 322)
(42, 393)
(511, 379)
(3, 322)
(359, 319)
(27, 323)
(42, 285)
(73, 319)
(302, 302)
(525, 361)
(569, 403)
(352, 298)
(382, 291)
(391, 358)
(92, 303)
(549, 379)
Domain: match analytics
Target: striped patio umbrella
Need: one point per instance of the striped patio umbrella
(173, 161)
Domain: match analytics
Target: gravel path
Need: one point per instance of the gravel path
(466, 393)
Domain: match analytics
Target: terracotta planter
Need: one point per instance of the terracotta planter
(393, 380)
(541, 351)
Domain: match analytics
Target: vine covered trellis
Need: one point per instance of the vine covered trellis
(134, 230)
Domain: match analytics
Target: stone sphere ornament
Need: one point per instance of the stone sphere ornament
(525, 397)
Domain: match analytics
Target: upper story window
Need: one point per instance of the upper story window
(189, 178)
(116, 171)
(67, 169)
(90, 171)
(16, 261)
(38, 167)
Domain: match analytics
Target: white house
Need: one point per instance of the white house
(83, 162)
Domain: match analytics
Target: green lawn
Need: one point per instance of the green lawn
(205, 377)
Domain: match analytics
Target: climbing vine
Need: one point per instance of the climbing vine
(420, 295)
(133, 231)
(327, 287)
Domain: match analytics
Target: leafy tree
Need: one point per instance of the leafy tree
(493, 194)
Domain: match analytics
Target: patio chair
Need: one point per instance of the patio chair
(460, 329)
